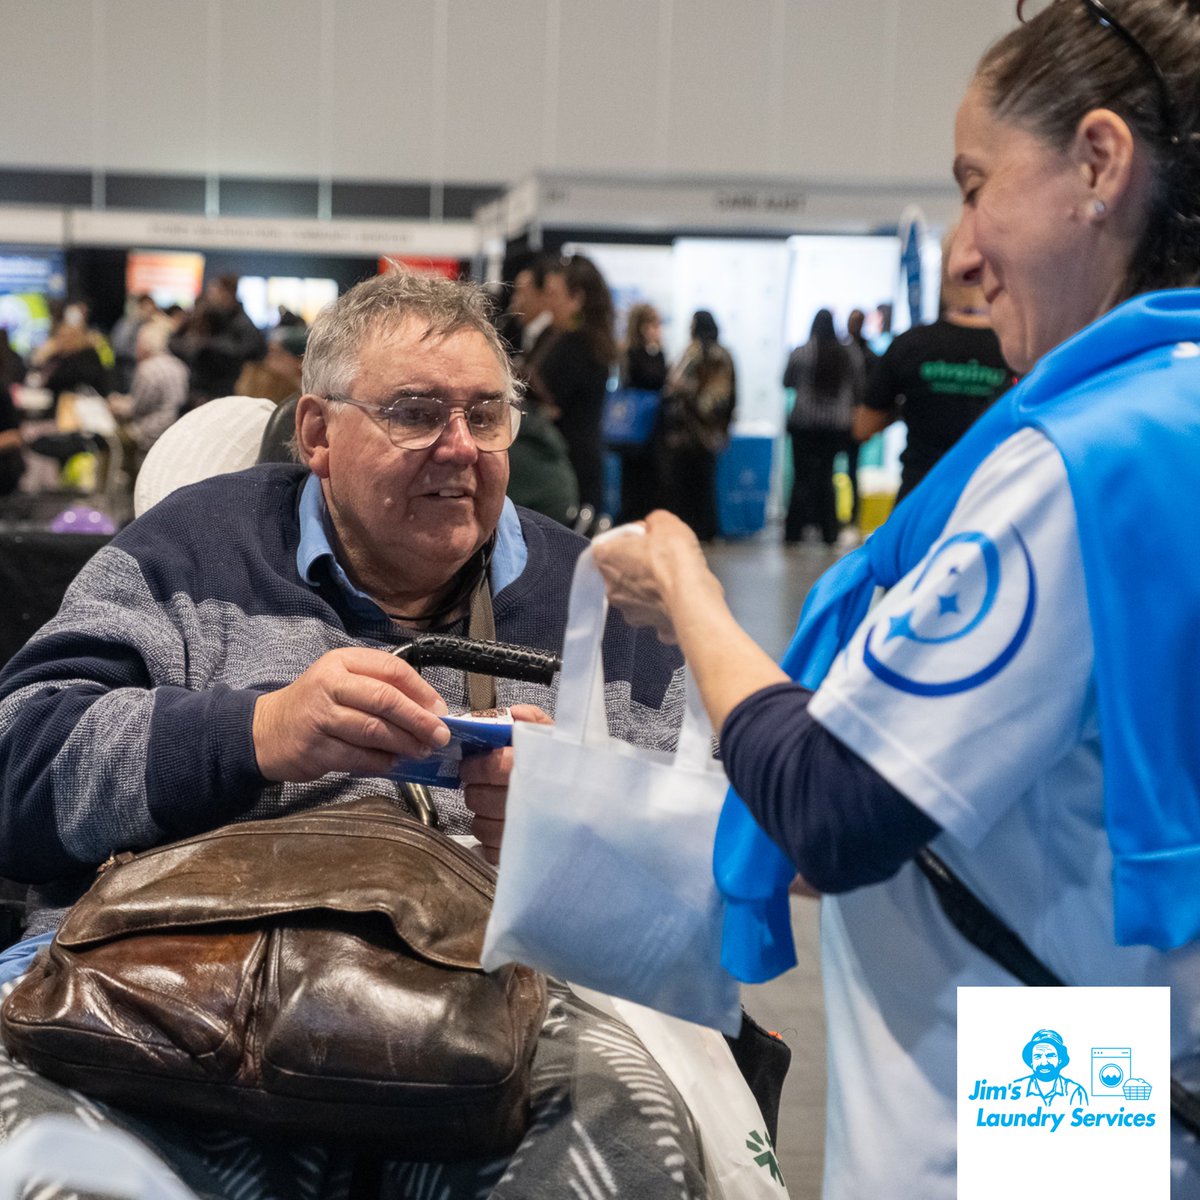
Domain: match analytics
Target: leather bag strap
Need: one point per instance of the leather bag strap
(481, 625)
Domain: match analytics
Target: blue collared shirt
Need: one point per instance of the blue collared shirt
(316, 550)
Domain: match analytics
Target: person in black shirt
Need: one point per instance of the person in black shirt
(217, 341)
(856, 343)
(937, 379)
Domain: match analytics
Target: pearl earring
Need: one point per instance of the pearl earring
(1099, 208)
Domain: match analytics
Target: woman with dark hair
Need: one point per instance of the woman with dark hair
(828, 379)
(1023, 695)
(698, 402)
(644, 368)
(574, 373)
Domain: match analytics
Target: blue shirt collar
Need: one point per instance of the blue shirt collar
(315, 551)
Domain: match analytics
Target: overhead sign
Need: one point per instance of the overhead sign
(368, 239)
(668, 205)
(31, 226)
(726, 206)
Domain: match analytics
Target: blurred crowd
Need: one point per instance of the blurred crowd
(612, 429)
(87, 405)
(560, 326)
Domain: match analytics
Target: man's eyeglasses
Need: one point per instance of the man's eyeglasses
(416, 422)
(1100, 13)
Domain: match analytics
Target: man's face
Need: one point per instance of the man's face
(1045, 1061)
(414, 516)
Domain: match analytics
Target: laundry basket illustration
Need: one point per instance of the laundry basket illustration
(1136, 1089)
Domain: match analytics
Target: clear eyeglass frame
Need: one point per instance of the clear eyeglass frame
(416, 422)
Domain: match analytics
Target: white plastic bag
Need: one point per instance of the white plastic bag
(739, 1160)
(606, 868)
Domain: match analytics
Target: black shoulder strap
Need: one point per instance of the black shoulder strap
(1003, 945)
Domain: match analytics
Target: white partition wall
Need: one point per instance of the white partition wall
(743, 283)
(840, 274)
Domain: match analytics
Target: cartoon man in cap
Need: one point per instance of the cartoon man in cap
(1047, 1056)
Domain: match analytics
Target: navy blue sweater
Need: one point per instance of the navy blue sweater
(125, 722)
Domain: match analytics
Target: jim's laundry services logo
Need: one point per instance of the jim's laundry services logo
(1068, 1086)
(1048, 1098)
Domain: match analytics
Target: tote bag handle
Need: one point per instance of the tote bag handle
(580, 712)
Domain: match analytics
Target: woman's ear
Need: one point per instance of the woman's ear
(1105, 151)
(312, 434)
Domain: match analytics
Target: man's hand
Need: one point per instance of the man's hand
(485, 785)
(354, 710)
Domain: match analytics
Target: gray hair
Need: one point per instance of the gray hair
(1048, 74)
(443, 306)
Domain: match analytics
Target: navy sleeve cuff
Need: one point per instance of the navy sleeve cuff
(201, 769)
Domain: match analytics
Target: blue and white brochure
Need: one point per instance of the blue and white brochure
(470, 734)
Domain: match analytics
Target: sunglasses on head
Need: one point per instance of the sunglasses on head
(1101, 14)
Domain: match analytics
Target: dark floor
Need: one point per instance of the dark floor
(765, 586)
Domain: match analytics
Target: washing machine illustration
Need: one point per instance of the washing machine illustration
(1110, 1070)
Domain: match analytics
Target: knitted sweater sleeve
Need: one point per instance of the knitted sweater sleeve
(103, 745)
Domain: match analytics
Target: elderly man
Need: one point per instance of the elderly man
(224, 658)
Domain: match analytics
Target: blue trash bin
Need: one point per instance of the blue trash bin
(743, 483)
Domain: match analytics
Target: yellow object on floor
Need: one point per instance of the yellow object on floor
(843, 497)
(873, 509)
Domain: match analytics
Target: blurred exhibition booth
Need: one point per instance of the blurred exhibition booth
(763, 255)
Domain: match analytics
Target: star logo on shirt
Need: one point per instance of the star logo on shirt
(901, 626)
(946, 640)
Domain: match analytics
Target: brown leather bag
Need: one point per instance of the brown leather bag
(313, 976)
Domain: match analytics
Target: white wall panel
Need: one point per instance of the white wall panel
(835, 112)
(495, 107)
(369, 89)
(383, 90)
(269, 88)
(931, 79)
(719, 89)
(607, 98)
(48, 83)
(156, 56)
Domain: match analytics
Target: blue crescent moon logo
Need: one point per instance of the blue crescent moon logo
(901, 626)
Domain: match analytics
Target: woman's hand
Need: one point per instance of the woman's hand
(663, 581)
(646, 576)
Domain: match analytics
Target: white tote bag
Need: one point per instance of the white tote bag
(606, 867)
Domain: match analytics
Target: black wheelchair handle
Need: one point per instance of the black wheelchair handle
(479, 657)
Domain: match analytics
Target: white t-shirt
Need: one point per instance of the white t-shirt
(969, 688)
